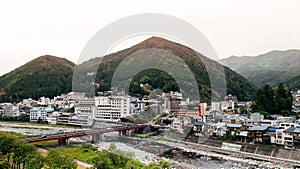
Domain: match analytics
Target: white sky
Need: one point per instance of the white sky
(33, 27)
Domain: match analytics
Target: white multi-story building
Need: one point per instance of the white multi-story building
(44, 101)
(75, 96)
(85, 109)
(215, 106)
(227, 105)
(288, 125)
(8, 109)
(269, 122)
(280, 136)
(39, 113)
(112, 108)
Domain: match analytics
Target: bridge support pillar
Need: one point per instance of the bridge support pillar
(97, 138)
(124, 132)
(63, 142)
(130, 133)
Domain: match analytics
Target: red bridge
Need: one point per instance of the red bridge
(95, 133)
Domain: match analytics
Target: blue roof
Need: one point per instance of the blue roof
(272, 129)
(227, 118)
(234, 125)
(269, 135)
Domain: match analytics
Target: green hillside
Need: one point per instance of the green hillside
(158, 79)
(294, 83)
(45, 76)
(262, 77)
(270, 68)
(50, 76)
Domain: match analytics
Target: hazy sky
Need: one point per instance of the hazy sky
(62, 28)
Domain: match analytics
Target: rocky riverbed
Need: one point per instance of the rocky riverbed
(147, 150)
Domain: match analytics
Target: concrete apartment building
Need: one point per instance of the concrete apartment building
(84, 110)
(8, 109)
(173, 101)
(40, 113)
(112, 108)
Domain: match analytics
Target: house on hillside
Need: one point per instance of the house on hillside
(288, 138)
(256, 133)
(220, 131)
(234, 128)
(269, 122)
(269, 137)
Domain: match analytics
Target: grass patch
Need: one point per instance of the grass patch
(83, 153)
(14, 134)
(46, 143)
(81, 167)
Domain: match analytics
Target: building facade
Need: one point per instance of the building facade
(112, 108)
(39, 113)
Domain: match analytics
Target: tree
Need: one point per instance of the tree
(22, 152)
(266, 114)
(35, 161)
(3, 163)
(242, 110)
(6, 145)
(283, 100)
(266, 101)
(57, 161)
(112, 147)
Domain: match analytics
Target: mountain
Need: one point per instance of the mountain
(50, 76)
(45, 76)
(271, 77)
(270, 68)
(236, 84)
(293, 83)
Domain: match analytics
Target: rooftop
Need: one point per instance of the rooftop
(234, 125)
(258, 128)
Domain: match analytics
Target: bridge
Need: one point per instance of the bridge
(95, 133)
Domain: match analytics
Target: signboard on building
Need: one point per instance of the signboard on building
(232, 147)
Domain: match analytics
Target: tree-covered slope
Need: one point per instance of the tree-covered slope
(50, 76)
(293, 83)
(45, 76)
(271, 77)
(270, 68)
(158, 79)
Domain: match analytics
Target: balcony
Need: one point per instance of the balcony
(297, 138)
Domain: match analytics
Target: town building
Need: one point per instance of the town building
(9, 110)
(172, 101)
(112, 108)
(39, 113)
(85, 109)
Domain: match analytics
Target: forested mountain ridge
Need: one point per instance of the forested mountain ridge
(236, 84)
(44, 76)
(270, 68)
(50, 76)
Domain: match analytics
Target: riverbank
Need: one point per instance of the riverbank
(187, 157)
